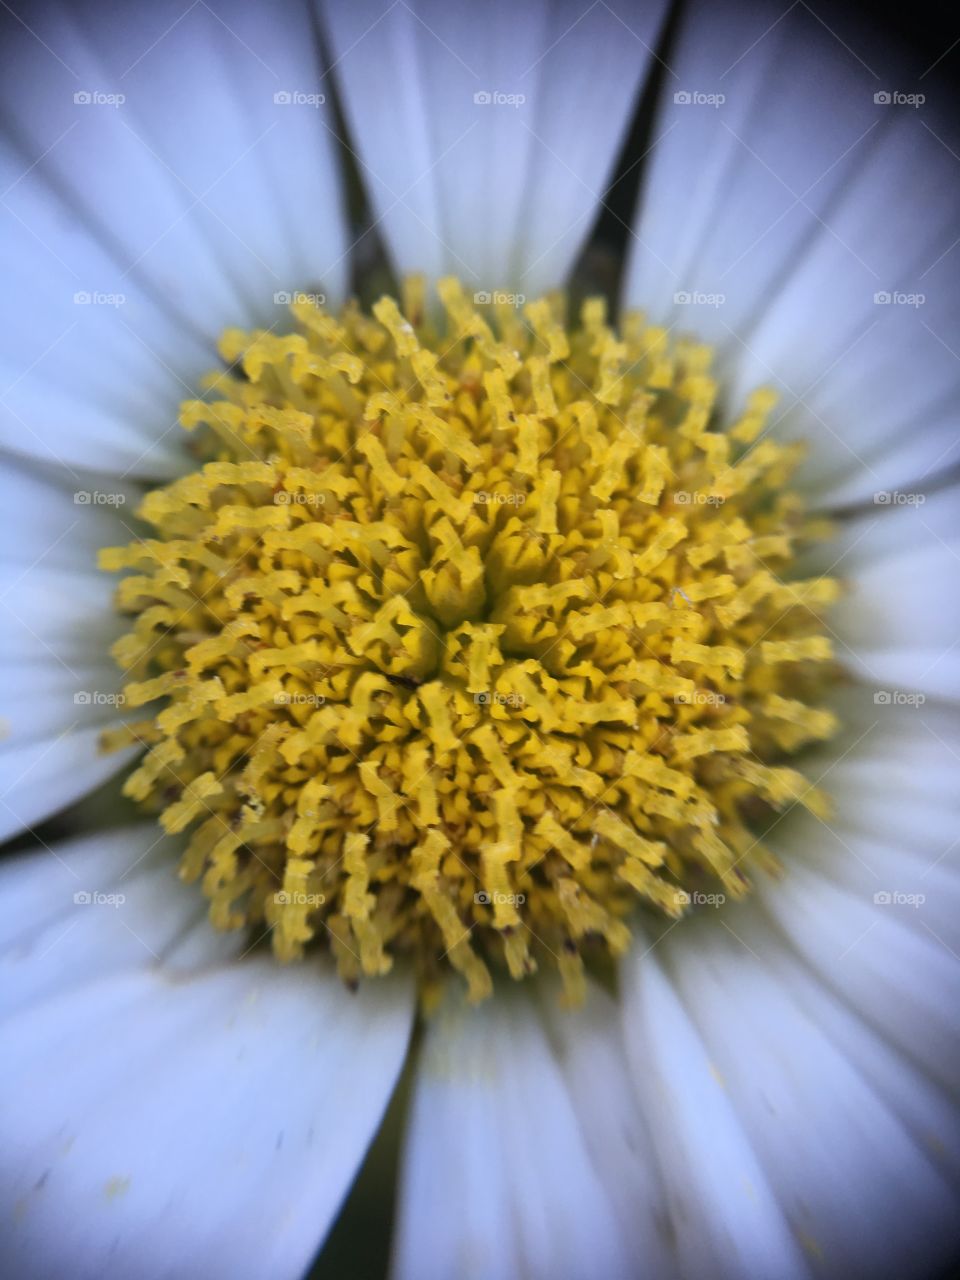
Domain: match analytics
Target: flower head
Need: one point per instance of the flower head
(460, 654)
(545, 709)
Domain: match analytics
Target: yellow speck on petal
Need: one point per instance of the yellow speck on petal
(116, 1187)
(474, 631)
(810, 1245)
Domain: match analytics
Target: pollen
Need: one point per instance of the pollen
(474, 636)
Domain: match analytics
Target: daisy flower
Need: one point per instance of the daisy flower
(478, 644)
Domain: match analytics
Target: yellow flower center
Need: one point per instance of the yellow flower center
(467, 641)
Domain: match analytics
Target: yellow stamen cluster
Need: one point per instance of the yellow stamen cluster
(466, 639)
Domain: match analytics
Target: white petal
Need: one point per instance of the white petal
(726, 1217)
(93, 370)
(745, 157)
(200, 190)
(90, 907)
(174, 1122)
(500, 193)
(898, 622)
(590, 1046)
(54, 602)
(856, 1188)
(924, 887)
(898, 790)
(43, 777)
(58, 520)
(900, 976)
(42, 699)
(835, 1045)
(872, 384)
(892, 749)
(58, 684)
(892, 778)
(777, 217)
(43, 611)
(493, 1137)
(929, 1115)
(217, 192)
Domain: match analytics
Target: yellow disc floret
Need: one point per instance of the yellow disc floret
(466, 640)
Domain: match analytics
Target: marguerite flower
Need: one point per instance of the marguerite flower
(554, 701)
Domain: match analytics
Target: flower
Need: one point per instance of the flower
(753, 1087)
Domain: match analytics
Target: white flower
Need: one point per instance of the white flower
(770, 1090)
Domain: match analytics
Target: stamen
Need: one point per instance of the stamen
(462, 645)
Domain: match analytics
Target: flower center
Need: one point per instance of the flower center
(464, 644)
